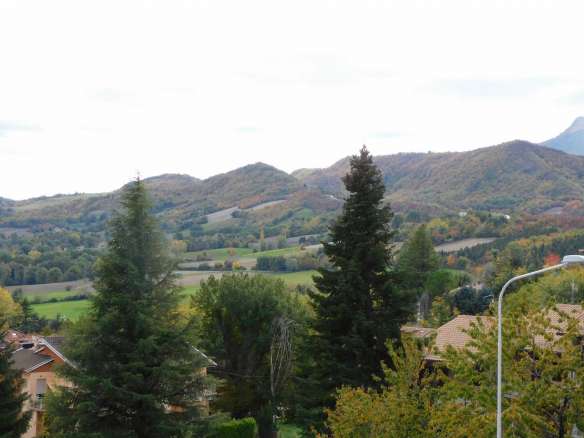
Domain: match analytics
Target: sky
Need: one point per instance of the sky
(94, 92)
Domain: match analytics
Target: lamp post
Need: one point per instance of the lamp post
(566, 261)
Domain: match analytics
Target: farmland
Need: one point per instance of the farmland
(190, 281)
(464, 243)
(69, 309)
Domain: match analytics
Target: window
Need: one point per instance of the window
(41, 388)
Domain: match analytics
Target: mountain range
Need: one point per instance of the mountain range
(571, 140)
(513, 176)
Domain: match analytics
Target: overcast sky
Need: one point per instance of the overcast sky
(92, 92)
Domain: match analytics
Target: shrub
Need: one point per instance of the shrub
(244, 428)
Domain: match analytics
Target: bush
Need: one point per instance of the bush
(244, 428)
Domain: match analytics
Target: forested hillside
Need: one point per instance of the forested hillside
(179, 200)
(517, 175)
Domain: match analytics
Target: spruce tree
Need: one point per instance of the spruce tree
(14, 419)
(417, 260)
(359, 305)
(131, 356)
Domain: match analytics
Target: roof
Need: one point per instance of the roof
(418, 332)
(210, 362)
(14, 337)
(55, 342)
(570, 310)
(455, 333)
(26, 359)
(558, 316)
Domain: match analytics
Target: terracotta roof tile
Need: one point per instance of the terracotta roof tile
(454, 333)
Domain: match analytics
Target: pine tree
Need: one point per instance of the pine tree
(358, 305)
(132, 355)
(417, 260)
(13, 418)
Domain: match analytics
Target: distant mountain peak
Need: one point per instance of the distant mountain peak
(571, 140)
(576, 126)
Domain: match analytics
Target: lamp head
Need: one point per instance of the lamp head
(573, 259)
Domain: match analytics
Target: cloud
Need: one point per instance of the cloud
(247, 130)
(7, 127)
(517, 87)
(576, 98)
(387, 134)
(112, 95)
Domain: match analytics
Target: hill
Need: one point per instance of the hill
(513, 176)
(517, 175)
(571, 140)
(179, 201)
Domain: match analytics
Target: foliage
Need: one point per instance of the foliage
(132, 354)
(358, 305)
(303, 261)
(14, 418)
(401, 409)
(10, 311)
(46, 256)
(244, 428)
(542, 378)
(238, 313)
(417, 260)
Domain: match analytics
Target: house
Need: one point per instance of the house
(38, 356)
(455, 332)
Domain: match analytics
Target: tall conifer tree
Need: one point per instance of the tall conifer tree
(14, 419)
(131, 358)
(358, 305)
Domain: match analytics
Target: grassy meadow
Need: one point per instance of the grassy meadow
(69, 309)
(74, 309)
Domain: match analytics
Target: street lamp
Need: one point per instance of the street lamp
(566, 261)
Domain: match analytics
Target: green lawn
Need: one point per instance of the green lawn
(289, 431)
(69, 309)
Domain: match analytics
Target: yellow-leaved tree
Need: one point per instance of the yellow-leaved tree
(10, 311)
(401, 409)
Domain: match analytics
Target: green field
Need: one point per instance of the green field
(45, 296)
(295, 278)
(73, 309)
(220, 254)
(69, 309)
(277, 252)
